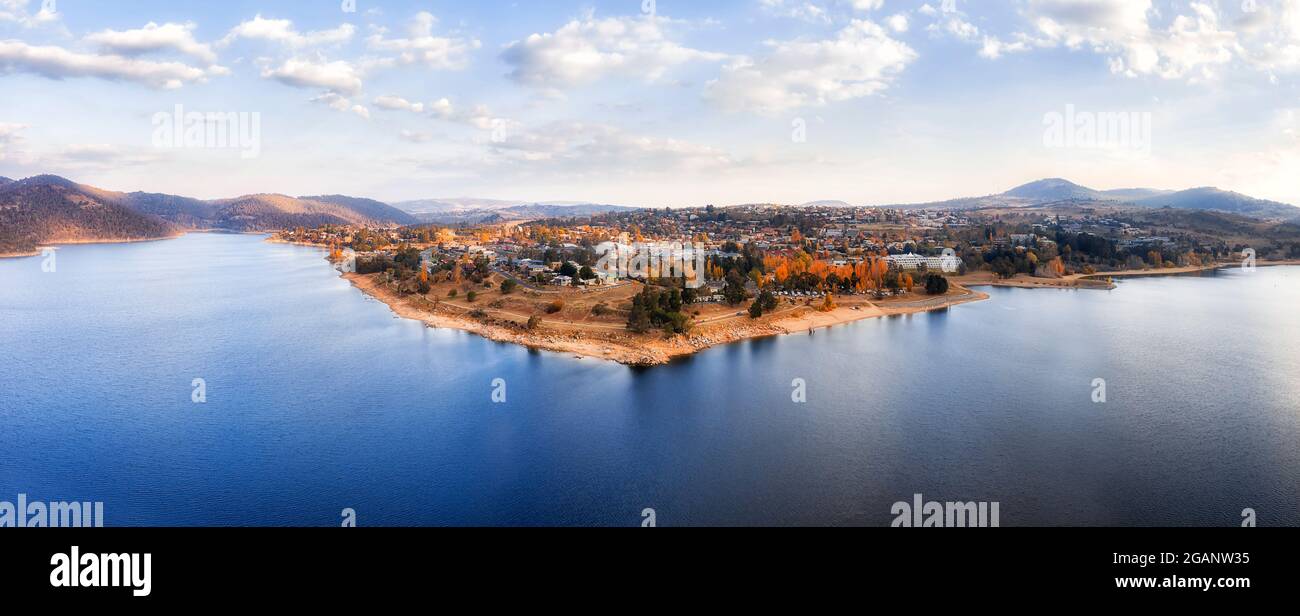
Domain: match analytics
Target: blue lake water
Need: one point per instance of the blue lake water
(319, 399)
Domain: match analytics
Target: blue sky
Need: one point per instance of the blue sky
(655, 103)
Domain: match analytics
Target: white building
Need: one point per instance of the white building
(912, 262)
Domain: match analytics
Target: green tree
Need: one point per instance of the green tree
(734, 291)
(936, 284)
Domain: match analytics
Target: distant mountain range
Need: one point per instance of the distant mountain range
(467, 210)
(1057, 190)
(49, 209)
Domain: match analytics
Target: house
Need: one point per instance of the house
(911, 262)
(562, 281)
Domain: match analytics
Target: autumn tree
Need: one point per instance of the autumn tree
(828, 303)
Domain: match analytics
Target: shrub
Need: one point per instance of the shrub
(555, 306)
(936, 284)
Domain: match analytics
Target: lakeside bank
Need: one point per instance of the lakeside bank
(613, 343)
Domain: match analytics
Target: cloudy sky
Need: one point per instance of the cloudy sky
(667, 103)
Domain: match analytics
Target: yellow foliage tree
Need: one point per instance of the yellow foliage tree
(828, 304)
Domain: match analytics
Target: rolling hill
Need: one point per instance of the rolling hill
(369, 209)
(468, 210)
(269, 212)
(1222, 201)
(1052, 189)
(50, 209)
(183, 211)
(1057, 190)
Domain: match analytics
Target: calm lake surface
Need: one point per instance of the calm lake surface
(319, 399)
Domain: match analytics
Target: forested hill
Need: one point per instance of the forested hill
(47, 209)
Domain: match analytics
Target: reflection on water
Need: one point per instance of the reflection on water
(319, 400)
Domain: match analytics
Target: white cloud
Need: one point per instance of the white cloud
(338, 102)
(16, 11)
(337, 76)
(995, 48)
(1193, 47)
(860, 61)
(415, 136)
(10, 135)
(589, 49)
(442, 108)
(477, 116)
(397, 103)
(959, 27)
(59, 63)
(480, 117)
(1273, 37)
(422, 47)
(9, 132)
(576, 148)
(795, 9)
(282, 31)
(898, 23)
(152, 38)
(823, 12)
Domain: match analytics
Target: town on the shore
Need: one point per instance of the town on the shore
(745, 263)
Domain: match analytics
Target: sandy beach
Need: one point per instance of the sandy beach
(614, 342)
(602, 341)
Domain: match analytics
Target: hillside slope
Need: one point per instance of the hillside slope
(1222, 201)
(48, 209)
